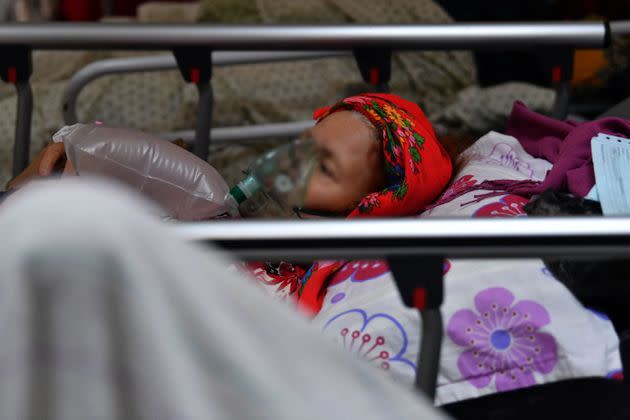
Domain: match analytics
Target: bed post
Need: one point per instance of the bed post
(375, 65)
(195, 65)
(561, 61)
(16, 68)
(420, 281)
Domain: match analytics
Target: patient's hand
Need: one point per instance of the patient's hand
(51, 159)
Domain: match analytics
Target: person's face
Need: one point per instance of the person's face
(350, 165)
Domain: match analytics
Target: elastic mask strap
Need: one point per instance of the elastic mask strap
(301, 211)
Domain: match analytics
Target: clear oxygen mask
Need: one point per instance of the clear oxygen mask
(281, 174)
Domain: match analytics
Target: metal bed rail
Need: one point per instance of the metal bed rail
(191, 43)
(112, 66)
(109, 67)
(304, 37)
(246, 133)
(532, 237)
(415, 250)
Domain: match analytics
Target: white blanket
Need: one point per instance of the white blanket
(107, 315)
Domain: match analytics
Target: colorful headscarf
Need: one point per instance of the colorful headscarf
(416, 165)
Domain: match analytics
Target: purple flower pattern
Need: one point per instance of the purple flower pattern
(504, 154)
(503, 341)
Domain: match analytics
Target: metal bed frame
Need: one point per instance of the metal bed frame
(402, 242)
(109, 67)
(415, 250)
(159, 63)
(193, 44)
(305, 37)
(590, 237)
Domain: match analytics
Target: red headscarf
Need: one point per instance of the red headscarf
(416, 165)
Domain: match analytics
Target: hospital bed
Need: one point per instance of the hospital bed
(192, 45)
(398, 241)
(557, 55)
(405, 243)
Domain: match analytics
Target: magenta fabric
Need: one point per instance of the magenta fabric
(566, 144)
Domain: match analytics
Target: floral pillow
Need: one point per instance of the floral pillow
(493, 156)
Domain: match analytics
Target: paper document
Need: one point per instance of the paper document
(611, 161)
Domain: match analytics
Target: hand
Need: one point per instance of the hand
(52, 158)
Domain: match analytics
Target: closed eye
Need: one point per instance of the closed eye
(325, 169)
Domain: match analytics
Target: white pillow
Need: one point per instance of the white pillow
(494, 156)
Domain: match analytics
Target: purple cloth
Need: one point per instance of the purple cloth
(566, 144)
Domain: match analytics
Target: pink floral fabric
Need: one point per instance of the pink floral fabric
(457, 188)
(359, 271)
(493, 157)
(508, 206)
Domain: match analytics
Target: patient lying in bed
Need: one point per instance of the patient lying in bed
(509, 325)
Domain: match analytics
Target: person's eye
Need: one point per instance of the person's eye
(323, 167)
